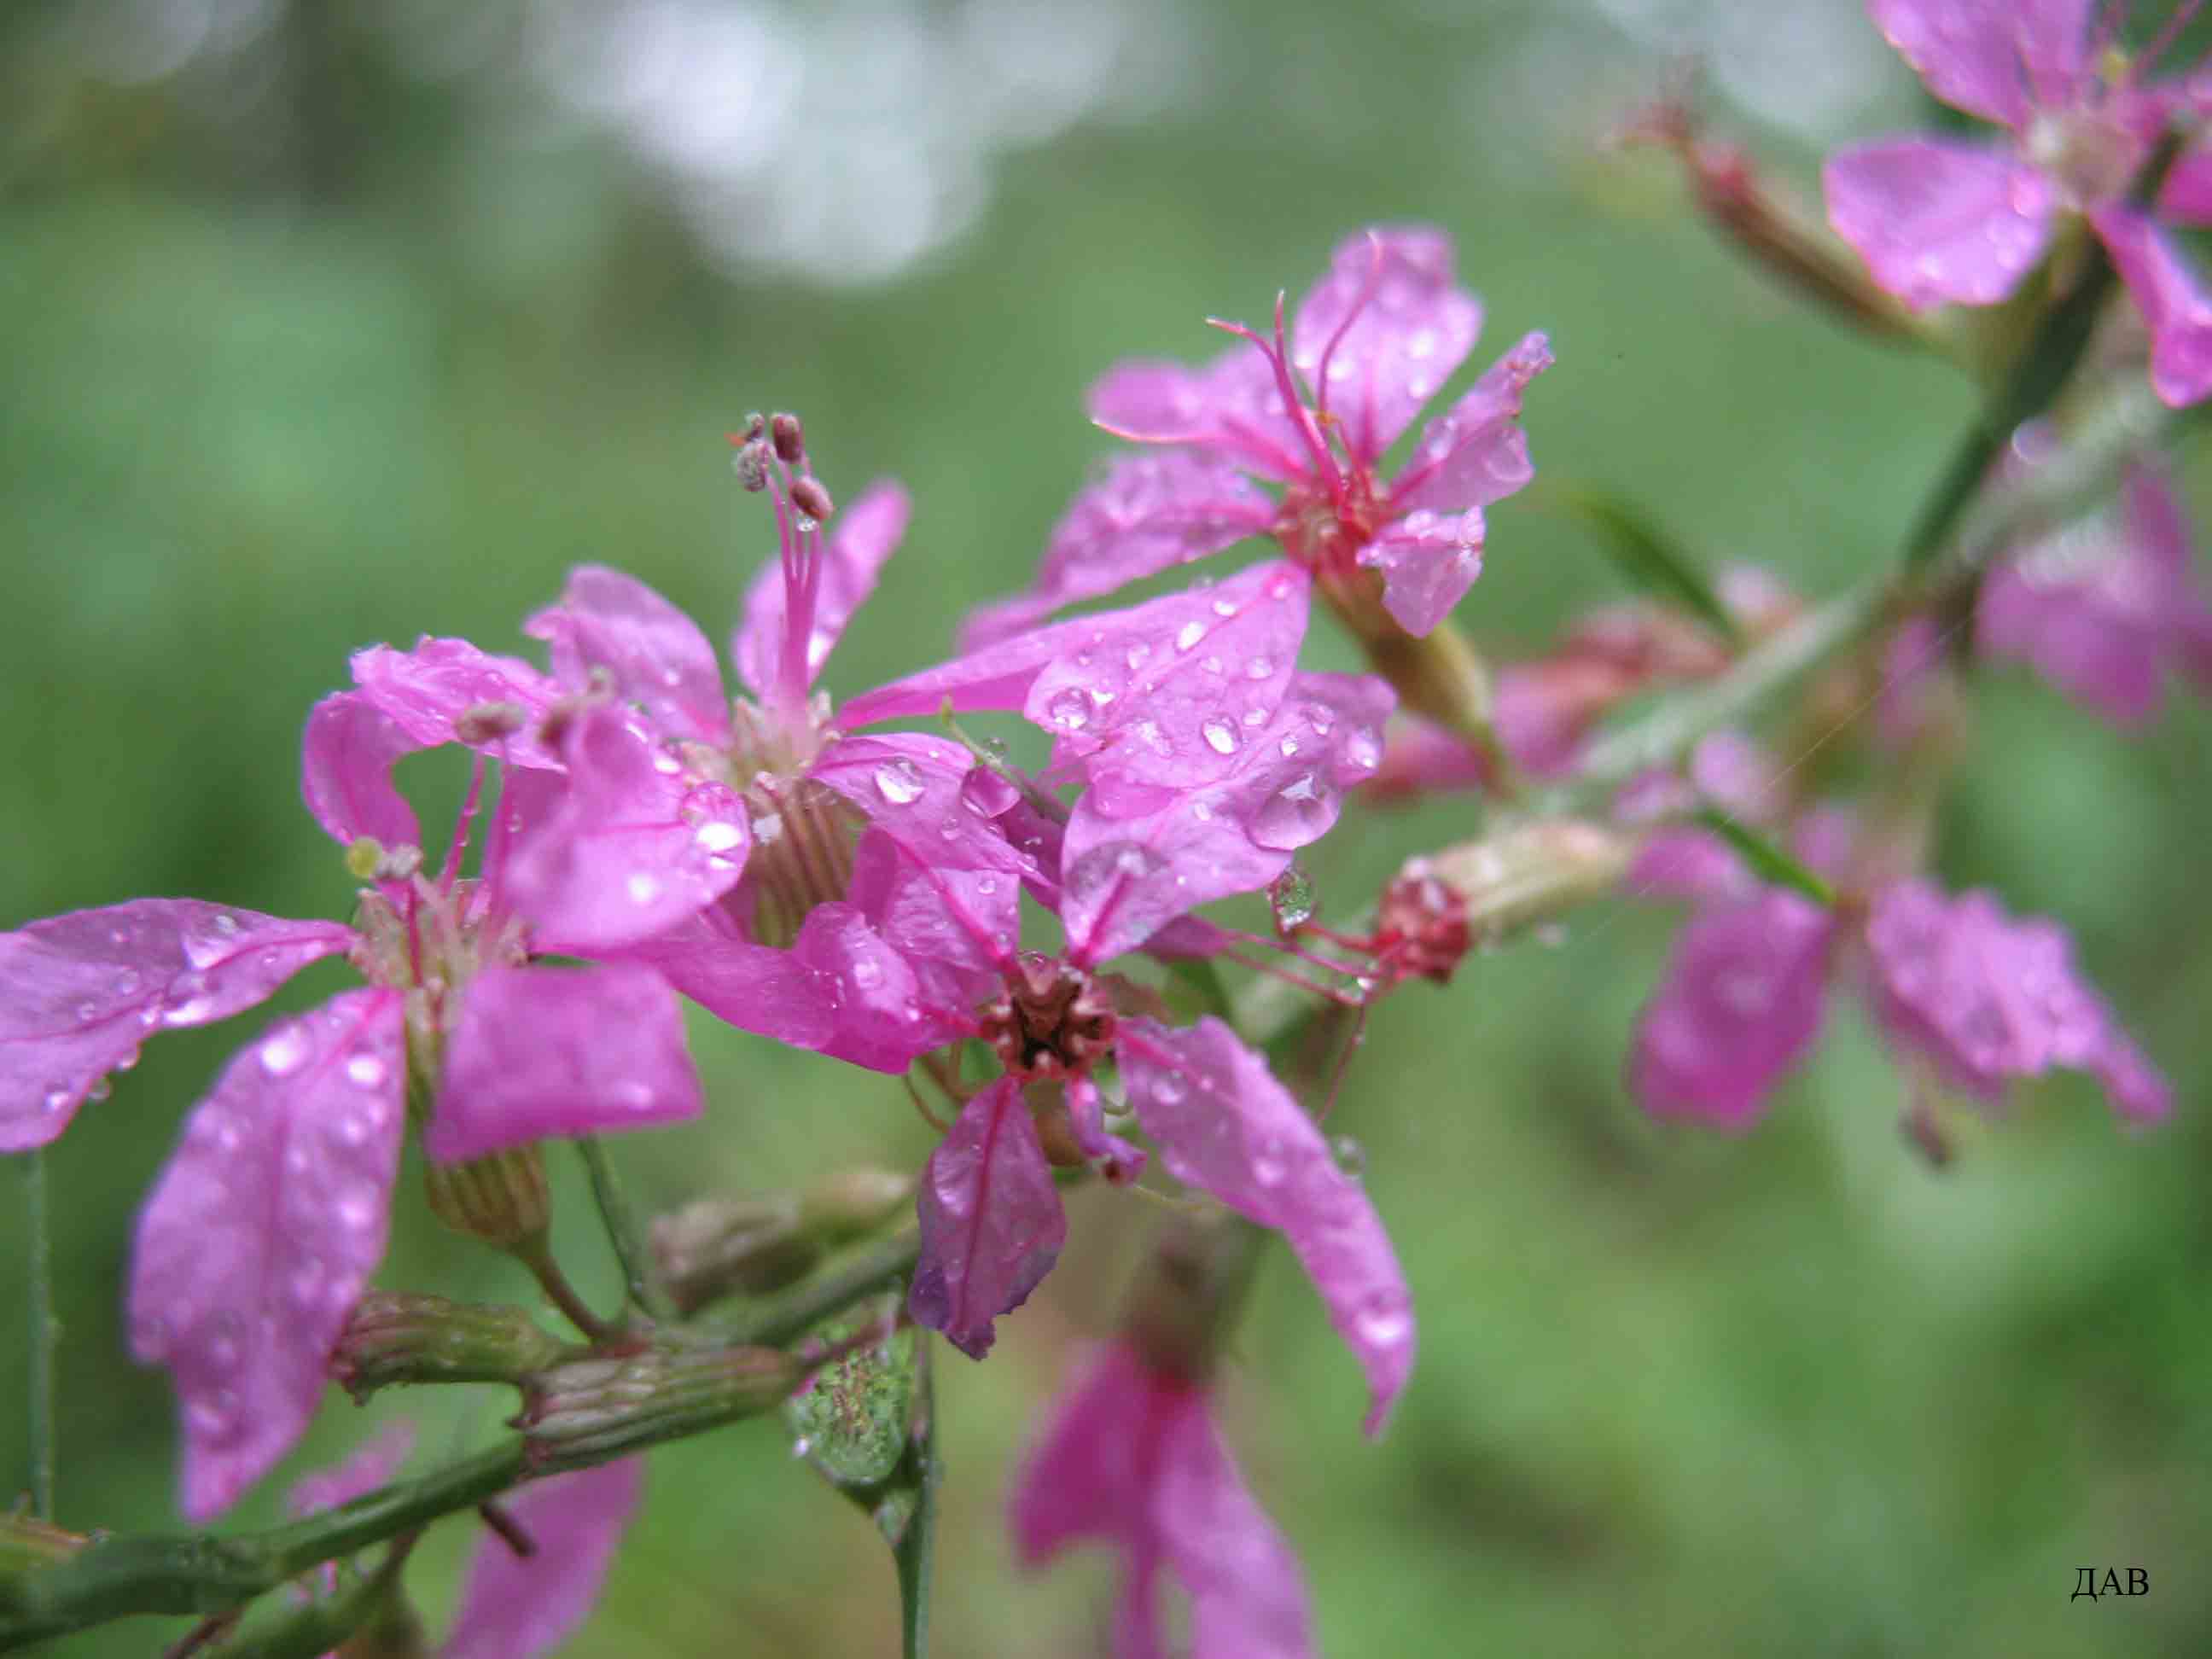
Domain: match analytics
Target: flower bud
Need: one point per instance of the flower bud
(399, 1337)
(588, 1411)
(852, 1202)
(1481, 891)
(501, 1199)
(721, 1247)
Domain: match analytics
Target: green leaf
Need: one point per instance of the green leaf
(1767, 862)
(866, 1425)
(1651, 561)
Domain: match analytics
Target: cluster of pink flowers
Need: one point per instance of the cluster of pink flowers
(634, 835)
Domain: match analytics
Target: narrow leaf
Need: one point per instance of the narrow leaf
(1651, 561)
(1767, 862)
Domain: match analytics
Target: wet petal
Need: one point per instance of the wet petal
(513, 1609)
(346, 758)
(638, 844)
(992, 1224)
(540, 1052)
(1984, 997)
(1231, 408)
(428, 689)
(1247, 1594)
(1226, 1126)
(1994, 58)
(954, 926)
(1475, 453)
(1148, 514)
(867, 532)
(262, 1232)
(1939, 221)
(80, 993)
(2174, 301)
(909, 787)
(1688, 864)
(2186, 196)
(1428, 561)
(1421, 757)
(1741, 1002)
(653, 653)
(1116, 1159)
(1393, 327)
(753, 987)
(878, 1008)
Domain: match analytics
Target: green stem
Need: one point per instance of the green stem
(621, 1222)
(535, 1253)
(44, 1333)
(848, 1279)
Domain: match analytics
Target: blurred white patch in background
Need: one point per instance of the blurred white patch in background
(1810, 67)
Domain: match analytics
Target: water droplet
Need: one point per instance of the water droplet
(718, 837)
(1269, 1165)
(1213, 665)
(99, 1090)
(667, 764)
(358, 1208)
(366, 1071)
(1220, 735)
(283, 1054)
(987, 885)
(1258, 669)
(767, 828)
(1297, 813)
(87, 1012)
(1384, 1322)
(1351, 1157)
(1167, 1088)
(1321, 718)
(1291, 897)
(227, 925)
(1224, 606)
(867, 973)
(1363, 748)
(1137, 653)
(802, 1446)
(126, 982)
(57, 1097)
(642, 886)
(1289, 746)
(1189, 636)
(1069, 709)
(899, 781)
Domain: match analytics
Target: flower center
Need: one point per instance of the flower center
(1054, 1020)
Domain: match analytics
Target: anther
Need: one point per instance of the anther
(808, 495)
(788, 437)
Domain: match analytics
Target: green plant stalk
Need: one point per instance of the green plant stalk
(621, 1222)
(44, 1333)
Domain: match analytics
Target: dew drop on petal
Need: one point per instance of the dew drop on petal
(642, 886)
(57, 1097)
(1220, 735)
(1137, 653)
(718, 837)
(227, 925)
(899, 781)
(281, 1055)
(1291, 897)
(1167, 1088)
(867, 974)
(1069, 709)
(1351, 1157)
(1269, 1165)
(1191, 634)
(365, 1071)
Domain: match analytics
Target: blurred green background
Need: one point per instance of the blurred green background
(323, 325)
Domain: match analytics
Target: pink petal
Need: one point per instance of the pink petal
(1116, 1159)
(867, 532)
(954, 926)
(1542, 717)
(1688, 864)
(1124, 879)
(428, 689)
(908, 785)
(1133, 1458)
(540, 1052)
(1231, 408)
(2186, 196)
(79, 993)
(346, 758)
(513, 1609)
(1994, 58)
(877, 1000)
(1475, 453)
(1393, 327)
(371, 1465)
(992, 1224)
(2137, 1089)
(1226, 1126)
(1421, 757)
(1937, 219)
(1428, 561)
(1166, 697)
(2173, 302)
(1986, 998)
(1739, 1004)
(263, 1231)
(638, 845)
(1148, 514)
(654, 655)
(753, 987)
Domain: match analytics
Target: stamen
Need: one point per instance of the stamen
(1295, 411)
(1366, 296)
(1275, 970)
(461, 826)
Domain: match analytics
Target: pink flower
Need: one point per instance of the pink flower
(717, 842)
(1373, 340)
(270, 1217)
(1132, 1457)
(2105, 607)
(1948, 219)
(1978, 998)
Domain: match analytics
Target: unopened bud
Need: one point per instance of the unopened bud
(591, 1410)
(721, 1247)
(788, 437)
(808, 495)
(485, 722)
(500, 1199)
(398, 1337)
(1484, 891)
(853, 1202)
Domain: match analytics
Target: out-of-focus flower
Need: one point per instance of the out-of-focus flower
(1944, 220)
(1131, 1456)
(514, 1606)
(1373, 340)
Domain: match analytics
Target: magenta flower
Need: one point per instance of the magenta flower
(1944, 220)
(1979, 998)
(1373, 340)
(2105, 608)
(718, 843)
(1134, 1456)
(269, 1220)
